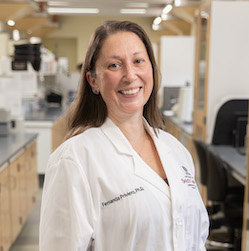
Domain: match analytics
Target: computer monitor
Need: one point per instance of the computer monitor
(230, 123)
(170, 97)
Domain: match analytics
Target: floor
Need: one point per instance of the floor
(28, 239)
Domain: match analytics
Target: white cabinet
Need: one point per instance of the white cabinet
(44, 141)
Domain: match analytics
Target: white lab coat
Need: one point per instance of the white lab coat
(100, 195)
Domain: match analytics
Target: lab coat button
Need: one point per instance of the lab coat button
(179, 221)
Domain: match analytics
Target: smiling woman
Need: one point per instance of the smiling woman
(117, 182)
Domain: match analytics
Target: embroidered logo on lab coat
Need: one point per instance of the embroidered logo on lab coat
(122, 196)
(188, 178)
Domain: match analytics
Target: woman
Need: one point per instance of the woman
(119, 183)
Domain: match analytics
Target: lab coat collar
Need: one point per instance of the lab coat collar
(141, 169)
(121, 143)
(117, 138)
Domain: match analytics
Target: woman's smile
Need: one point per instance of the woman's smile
(130, 92)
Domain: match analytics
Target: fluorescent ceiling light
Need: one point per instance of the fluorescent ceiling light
(155, 27)
(133, 11)
(137, 5)
(167, 9)
(157, 20)
(164, 16)
(204, 14)
(177, 3)
(57, 10)
(11, 23)
(53, 3)
(16, 35)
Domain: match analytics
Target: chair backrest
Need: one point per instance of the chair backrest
(217, 178)
(201, 149)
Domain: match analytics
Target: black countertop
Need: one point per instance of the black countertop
(10, 145)
(47, 114)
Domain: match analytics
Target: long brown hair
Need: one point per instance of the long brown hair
(89, 110)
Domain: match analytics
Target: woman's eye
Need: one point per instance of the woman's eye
(139, 61)
(113, 66)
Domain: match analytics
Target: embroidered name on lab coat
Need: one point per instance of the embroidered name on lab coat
(122, 196)
(188, 178)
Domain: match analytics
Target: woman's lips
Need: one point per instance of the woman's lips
(130, 91)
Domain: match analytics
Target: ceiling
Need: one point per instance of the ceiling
(153, 8)
(32, 16)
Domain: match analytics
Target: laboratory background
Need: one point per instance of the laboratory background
(202, 51)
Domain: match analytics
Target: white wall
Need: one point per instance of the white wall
(177, 60)
(229, 57)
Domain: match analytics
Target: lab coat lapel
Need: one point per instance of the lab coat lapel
(117, 138)
(123, 146)
(173, 171)
(145, 172)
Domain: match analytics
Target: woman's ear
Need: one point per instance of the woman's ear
(91, 80)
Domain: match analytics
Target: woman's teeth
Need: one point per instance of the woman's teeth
(130, 92)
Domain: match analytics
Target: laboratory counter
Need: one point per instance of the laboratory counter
(51, 114)
(12, 144)
(185, 126)
(236, 162)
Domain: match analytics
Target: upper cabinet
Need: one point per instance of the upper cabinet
(221, 61)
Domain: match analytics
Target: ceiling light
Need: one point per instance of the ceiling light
(133, 11)
(53, 3)
(16, 35)
(177, 3)
(167, 9)
(57, 10)
(164, 16)
(11, 23)
(157, 20)
(155, 27)
(204, 14)
(137, 5)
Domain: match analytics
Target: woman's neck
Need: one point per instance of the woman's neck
(133, 129)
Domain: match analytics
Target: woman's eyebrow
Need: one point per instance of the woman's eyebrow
(118, 57)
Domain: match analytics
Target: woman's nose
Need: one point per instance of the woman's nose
(129, 73)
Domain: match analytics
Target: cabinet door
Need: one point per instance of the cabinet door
(5, 221)
(31, 175)
(35, 183)
(16, 219)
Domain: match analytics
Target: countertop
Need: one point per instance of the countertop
(236, 162)
(187, 127)
(50, 114)
(13, 143)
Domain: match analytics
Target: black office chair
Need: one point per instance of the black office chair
(230, 198)
(201, 149)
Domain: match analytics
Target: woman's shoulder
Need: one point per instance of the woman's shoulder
(76, 146)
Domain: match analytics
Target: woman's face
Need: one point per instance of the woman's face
(124, 74)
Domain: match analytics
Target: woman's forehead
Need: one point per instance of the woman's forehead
(122, 42)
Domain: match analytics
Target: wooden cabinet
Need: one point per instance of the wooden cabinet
(59, 131)
(18, 191)
(5, 220)
(15, 196)
(175, 129)
(245, 229)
